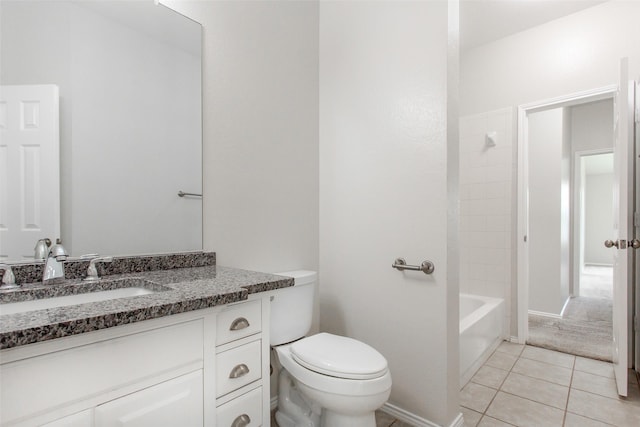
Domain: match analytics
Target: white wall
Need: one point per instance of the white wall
(260, 132)
(260, 154)
(579, 52)
(598, 218)
(546, 279)
(383, 193)
(383, 86)
(486, 180)
(592, 126)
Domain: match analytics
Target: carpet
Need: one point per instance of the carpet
(585, 330)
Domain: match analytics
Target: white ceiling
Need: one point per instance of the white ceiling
(484, 21)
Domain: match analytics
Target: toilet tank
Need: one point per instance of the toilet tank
(292, 307)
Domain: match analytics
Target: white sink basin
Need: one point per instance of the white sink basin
(40, 304)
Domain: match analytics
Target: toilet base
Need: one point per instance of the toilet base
(334, 419)
(293, 409)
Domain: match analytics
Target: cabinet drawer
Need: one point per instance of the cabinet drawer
(245, 410)
(177, 402)
(238, 367)
(239, 321)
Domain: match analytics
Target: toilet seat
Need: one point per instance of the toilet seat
(339, 357)
(330, 384)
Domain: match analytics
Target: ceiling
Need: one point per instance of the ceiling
(484, 21)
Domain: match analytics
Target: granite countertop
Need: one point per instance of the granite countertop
(177, 291)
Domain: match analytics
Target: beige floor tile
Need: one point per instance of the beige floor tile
(477, 397)
(596, 367)
(523, 412)
(595, 384)
(548, 356)
(603, 409)
(543, 371)
(510, 347)
(471, 418)
(501, 360)
(383, 420)
(490, 376)
(573, 420)
(487, 421)
(537, 390)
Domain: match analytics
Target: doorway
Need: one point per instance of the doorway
(567, 192)
(593, 224)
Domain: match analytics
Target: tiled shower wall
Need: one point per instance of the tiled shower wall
(487, 194)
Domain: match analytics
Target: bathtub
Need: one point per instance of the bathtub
(481, 331)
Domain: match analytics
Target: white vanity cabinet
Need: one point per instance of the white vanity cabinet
(202, 368)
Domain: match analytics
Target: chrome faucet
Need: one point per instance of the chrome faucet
(42, 249)
(92, 271)
(54, 267)
(8, 278)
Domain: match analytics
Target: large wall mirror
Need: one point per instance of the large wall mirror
(127, 75)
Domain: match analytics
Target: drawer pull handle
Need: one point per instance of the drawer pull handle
(239, 371)
(242, 421)
(239, 323)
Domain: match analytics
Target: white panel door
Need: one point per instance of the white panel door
(623, 152)
(177, 402)
(29, 168)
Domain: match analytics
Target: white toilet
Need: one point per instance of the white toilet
(327, 380)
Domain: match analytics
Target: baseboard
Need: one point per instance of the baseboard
(545, 314)
(564, 307)
(409, 417)
(515, 340)
(274, 402)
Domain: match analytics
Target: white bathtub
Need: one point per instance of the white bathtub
(481, 331)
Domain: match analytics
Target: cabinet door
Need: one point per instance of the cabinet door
(81, 419)
(176, 402)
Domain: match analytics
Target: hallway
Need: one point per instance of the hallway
(586, 326)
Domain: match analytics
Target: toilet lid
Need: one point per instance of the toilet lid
(338, 356)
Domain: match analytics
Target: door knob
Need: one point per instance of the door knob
(635, 243)
(611, 243)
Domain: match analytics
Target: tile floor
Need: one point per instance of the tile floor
(530, 386)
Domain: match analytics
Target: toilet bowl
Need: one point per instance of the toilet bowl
(326, 380)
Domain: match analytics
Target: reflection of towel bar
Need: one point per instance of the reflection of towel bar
(182, 194)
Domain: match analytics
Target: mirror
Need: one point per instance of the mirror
(128, 76)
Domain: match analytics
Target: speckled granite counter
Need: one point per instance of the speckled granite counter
(178, 290)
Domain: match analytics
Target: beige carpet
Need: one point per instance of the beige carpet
(585, 330)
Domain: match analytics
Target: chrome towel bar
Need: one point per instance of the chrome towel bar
(182, 194)
(426, 267)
